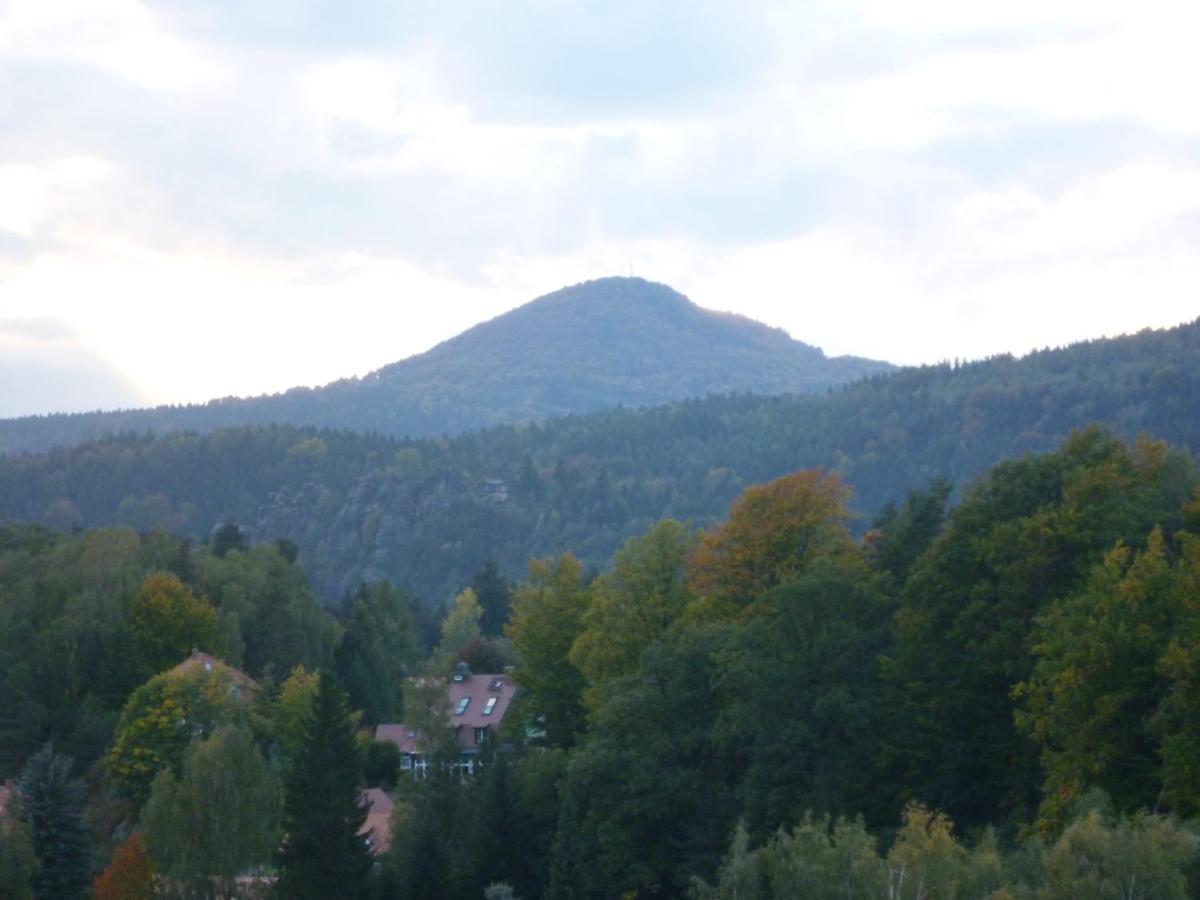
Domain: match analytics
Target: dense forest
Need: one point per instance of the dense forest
(592, 346)
(426, 514)
(992, 699)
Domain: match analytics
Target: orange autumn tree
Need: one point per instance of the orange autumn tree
(130, 876)
(773, 534)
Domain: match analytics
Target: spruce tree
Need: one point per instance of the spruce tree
(323, 855)
(494, 595)
(52, 806)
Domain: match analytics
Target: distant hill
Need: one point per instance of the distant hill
(427, 513)
(600, 344)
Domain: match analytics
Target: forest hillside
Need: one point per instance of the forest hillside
(427, 513)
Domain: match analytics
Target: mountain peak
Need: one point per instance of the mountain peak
(651, 318)
(618, 341)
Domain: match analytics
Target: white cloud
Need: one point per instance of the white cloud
(953, 17)
(120, 36)
(29, 194)
(381, 116)
(1063, 61)
(36, 328)
(346, 206)
(1097, 215)
(166, 319)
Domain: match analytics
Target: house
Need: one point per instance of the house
(377, 830)
(241, 685)
(476, 706)
(493, 489)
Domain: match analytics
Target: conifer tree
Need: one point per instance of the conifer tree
(52, 804)
(494, 595)
(323, 855)
(425, 866)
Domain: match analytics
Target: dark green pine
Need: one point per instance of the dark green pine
(52, 803)
(323, 855)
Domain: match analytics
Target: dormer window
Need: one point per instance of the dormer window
(490, 705)
(462, 706)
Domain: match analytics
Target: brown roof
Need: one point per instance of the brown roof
(378, 827)
(200, 661)
(477, 690)
(400, 735)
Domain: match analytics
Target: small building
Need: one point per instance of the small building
(493, 489)
(411, 752)
(476, 706)
(377, 830)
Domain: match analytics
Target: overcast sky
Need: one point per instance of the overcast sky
(204, 199)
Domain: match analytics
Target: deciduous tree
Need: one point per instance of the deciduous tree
(1024, 537)
(130, 875)
(168, 621)
(461, 625)
(1102, 699)
(547, 618)
(774, 531)
(633, 604)
(218, 819)
(162, 717)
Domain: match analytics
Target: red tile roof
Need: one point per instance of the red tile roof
(477, 690)
(480, 688)
(400, 735)
(378, 827)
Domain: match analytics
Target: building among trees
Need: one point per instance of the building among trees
(475, 706)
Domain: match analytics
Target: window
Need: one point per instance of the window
(462, 706)
(406, 761)
(480, 734)
(490, 705)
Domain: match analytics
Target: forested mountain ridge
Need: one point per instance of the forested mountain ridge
(603, 343)
(427, 513)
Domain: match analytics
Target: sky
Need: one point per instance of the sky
(238, 196)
